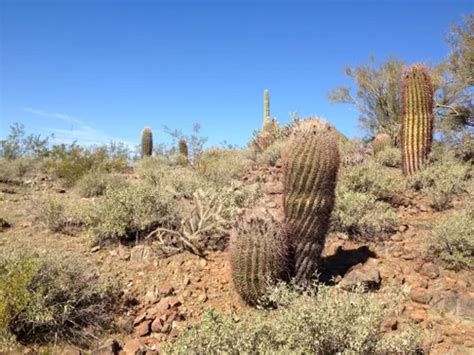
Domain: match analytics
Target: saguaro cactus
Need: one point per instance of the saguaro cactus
(183, 148)
(417, 117)
(310, 166)
(258, 257)
(147, 142)
(266, 109)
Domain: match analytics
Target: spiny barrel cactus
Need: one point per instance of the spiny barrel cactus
(311, 162)
(266, 108)
(417, 117)
(147, 142)
(183, 148)
(380, 142)
(258, 257)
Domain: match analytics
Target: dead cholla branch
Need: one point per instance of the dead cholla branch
(202, 229)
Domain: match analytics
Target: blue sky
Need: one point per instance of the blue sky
(101, 70)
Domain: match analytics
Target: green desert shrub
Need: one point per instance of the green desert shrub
(128, 212)
(373, 178)
(16, 169)
(163, 173)
(46, 299)
(71, 162)
(95, 183)
(390, 157)
(442, 180)
(272, 153)
(320, 320)
(361, 215)
(58, 214)
(452, 240)
(221, 166)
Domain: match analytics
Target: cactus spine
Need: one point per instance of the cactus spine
(266, 109)
(310, 166)
(258, 258)
(147, 142)
(417, 117)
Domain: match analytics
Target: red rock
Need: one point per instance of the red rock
(165, 289)
(203, 297)
(419, 295)
(390, 323)
(163, 305)
(418, 315)
(151, 313)
(156, 326)
(431, 270)
(174, 302)
(69, 350)
(143, 329)
(140, 318)
(134, 347)
(174, 333)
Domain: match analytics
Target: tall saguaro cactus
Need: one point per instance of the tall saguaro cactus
(258, 258)
(147, 142)
(311, 163)
(417, 117)
(266, 108)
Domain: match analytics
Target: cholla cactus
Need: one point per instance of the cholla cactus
(183, 148)
(311, 163)
(380, 142)
(417, 117)
(258, 258)
(147, 142)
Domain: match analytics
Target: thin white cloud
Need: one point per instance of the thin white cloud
(80, 132)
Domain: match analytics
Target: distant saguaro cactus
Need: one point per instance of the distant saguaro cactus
(266, 109)
(311, 163)
(258, 257)
(147, 142)
(417, 117)
(183, 148)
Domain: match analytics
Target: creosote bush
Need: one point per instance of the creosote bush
(443, 179)
(58, 214)
(14, 170)
(95, 183)
(452, 240)
(390, 157)
(320, 320)
(361, 216)
(45, 299)
(222, 165)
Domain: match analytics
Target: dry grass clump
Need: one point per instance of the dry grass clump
(58, 213)
(12, 171)
(320, 320)
(45, 298)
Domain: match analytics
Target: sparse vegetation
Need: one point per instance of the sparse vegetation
(45, 298)
(452, 240)
(96, 183)
(320, 320)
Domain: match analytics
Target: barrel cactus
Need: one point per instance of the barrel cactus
(147, 142)
(311, 163)
(258, 257)
(417, 117)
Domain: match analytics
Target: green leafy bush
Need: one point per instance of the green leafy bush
(442, 180)
(360, 215)
(59, 215)
(221, 166)
(45, 299)
(272, 153)
(390, 157)
(452, 240)
(95, 183)
(16, 169)
(320, 320)
(129, 212)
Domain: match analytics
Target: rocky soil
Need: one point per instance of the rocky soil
(165, 295)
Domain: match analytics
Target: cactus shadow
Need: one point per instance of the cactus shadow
(339, 264)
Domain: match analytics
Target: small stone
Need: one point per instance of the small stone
(4, 225)
(431, 270)
(123, 253)
(202, 297)
(134, 347)
(165, 289)
(273, 188)
(369, 278)
(70, 350)
(419, 295)
(174, 333)
(152, 313)
(203, 262)
(95, 249)
(174, 302)
(390, 323)
(110, 347)
(163, 305)
(140, 318)
(166, 328)
(143, 329)
(141, 254)
(465, 306)
(60, 190)
(396, 237)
